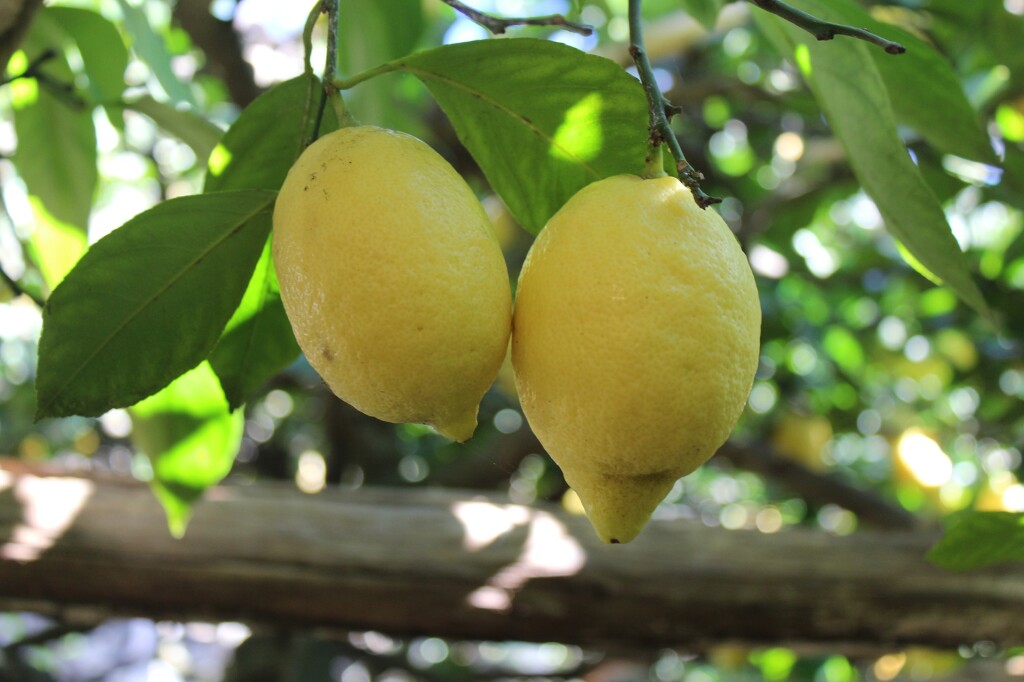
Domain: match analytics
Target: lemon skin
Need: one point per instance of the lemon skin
(392, 278)
(635, 343)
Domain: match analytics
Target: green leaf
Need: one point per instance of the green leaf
(190, 437)
(259, 148)
(256, 152)
(976, 539)
(925, 91)
(850, 91)
(104, 55)
(704, 11)
(56, 153)
(191, 128)
(148, 301)
(152, 50)
(258, 341)
(542, 119)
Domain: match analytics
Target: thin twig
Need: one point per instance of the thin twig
(19, 290)
(824, 30)
(32, 70)
(660, 110)
(498, 25)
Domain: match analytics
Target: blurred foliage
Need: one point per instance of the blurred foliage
(868, 371)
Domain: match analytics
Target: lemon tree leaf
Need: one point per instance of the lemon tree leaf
(260, 146)
(152, 49)
(848, 87)
(256, 153)
(925, 91)
(258, 341)
(191, 128)
(191, 439)
(977, 539)
(542, 119)
(56, 152)
(148, 301)
(103, 52)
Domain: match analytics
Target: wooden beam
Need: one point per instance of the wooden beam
(459, 564)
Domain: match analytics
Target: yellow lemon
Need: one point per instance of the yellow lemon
(635, 341)
(392, 278)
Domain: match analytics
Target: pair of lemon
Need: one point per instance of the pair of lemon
(636, 325)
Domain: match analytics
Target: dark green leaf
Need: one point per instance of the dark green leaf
(104, 55)
(258, 341)
(925, 91)
(256, 152)
(543, 120)
(148, 301)
(56, 153)
(192, 129)
(261, 145)
(977, 539)
(152, 49)
(190, 437)
(850, 91)
(704, 11)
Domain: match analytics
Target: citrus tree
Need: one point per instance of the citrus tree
(866, 155)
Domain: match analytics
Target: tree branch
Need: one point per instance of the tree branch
(461, 564)
(871, 509)
(498, 25)
(825, 30)
(660, 110)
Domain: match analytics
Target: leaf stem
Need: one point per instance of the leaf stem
(330, 91)
(660, 110)
(825, 30)
(339, 83)
(498, 25)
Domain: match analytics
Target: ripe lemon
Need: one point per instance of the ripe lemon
(392, 278)
(635, 341)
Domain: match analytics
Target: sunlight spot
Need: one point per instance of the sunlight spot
(579, 135)
(789, 146)
(802, 55)
(924, 459)
(768, 262)
(549, 550)
(311, 473)
(889, 666)
(485, 522)
(1013, 498)
(220, 157)
(49, 507)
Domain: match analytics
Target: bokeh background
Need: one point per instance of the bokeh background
(868, 372)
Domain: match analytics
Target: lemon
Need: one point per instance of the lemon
(635, 341)
(392, 278)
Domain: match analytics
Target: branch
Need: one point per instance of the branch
(498, 25)
(824, 30)
(463, 564)
(660, 110)
(871, 509)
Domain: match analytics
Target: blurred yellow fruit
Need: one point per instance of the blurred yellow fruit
(636, 337)
(802, 438)
(392, 278)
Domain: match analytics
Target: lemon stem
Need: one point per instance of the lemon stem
(331, 76)
(660, 110)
